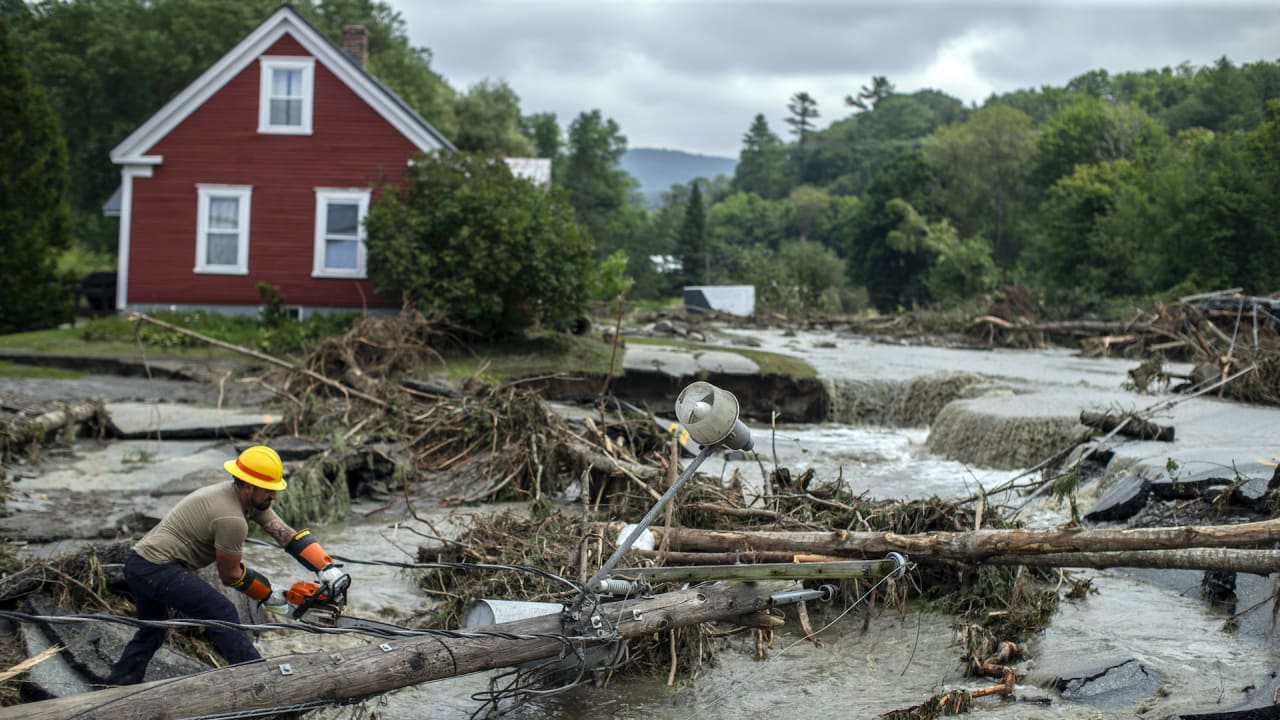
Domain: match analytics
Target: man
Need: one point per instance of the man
(210, 525)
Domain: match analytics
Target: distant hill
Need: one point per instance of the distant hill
(658, 169)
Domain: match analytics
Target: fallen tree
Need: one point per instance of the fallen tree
(307, 678)
(990, 545)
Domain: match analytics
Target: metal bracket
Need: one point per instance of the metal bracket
(384, 647)
(596, 622)
(336, 658)
(286, 669)
(637, 614)
(900, 562)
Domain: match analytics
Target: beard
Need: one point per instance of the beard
(262, 505)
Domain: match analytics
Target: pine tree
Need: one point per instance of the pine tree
(762, 163)
(691, 241)
(34, 219)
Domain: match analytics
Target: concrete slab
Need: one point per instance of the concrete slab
(128, 465)
(683, 362)
(132, 420)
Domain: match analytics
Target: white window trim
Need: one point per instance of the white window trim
(323, 197)
(267, 66)
(244, 193)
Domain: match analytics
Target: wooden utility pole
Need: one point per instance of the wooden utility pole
(388, 664)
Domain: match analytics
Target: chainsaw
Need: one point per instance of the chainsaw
(321, 604)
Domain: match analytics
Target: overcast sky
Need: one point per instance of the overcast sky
(690, 75)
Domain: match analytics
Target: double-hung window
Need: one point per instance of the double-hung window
(222, 229)
(285, 98)
(340, 248)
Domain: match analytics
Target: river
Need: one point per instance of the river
(1188, 662)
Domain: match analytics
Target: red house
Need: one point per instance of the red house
(261, 171)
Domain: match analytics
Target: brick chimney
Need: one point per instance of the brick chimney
(355, 41)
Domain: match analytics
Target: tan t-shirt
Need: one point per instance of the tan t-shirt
(208, 518)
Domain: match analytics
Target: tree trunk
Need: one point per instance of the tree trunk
(23, 430)
(978, 545)
(1258, 562)
(1134, 426)
(386, 665)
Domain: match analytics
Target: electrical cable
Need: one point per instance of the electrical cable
(446, 566)
(72, 619)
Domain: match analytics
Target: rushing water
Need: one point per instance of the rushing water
(1191, 664)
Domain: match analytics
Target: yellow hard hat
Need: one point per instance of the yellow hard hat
(258, 465)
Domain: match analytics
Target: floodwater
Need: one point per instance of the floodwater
(1176, 638)
(1188, 663)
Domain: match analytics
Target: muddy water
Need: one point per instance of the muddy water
(898, 662)
(1187, 662)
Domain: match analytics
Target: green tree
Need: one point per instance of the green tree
(847, 154)
(952, 268)
(1261, 256)
(893, 278)
(33, 208)
(544, 131)
(1084, 257)
(1090, 131)
(489, 121)
(691, 242)
(494, 252)
(746, 219)
(598, 186)
(804, 110)
(868, 96)
(981, 165)
(762, 162)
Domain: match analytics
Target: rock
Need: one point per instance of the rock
(91, 648)
(1122, 501)
(1113, 685)
(1183, 486)
(53, 678)
(1219, 588)
(1255, 480)
(193, 481)
(292, 449)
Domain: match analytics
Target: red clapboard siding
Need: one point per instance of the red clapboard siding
(351, 146)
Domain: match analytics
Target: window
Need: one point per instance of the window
(222, 229)
(284, 104)
(340, 250)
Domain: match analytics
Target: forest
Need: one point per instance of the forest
(1112, 190)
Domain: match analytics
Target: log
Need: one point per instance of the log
(23, 430)
(386, 664)
(756, 572)
(730, 558)
(1129, 425)
(974, 546)
(1256, 562)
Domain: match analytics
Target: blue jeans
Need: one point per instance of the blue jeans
(157, 589)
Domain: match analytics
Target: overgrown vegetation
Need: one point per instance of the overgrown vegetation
(488, 250)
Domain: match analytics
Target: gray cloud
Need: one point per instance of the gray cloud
(692, 74)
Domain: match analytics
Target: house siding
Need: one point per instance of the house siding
(351, 146)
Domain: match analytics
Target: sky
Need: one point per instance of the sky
(692, 74)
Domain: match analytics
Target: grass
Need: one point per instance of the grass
(73, 341)
(14, 370)
(535, 355)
